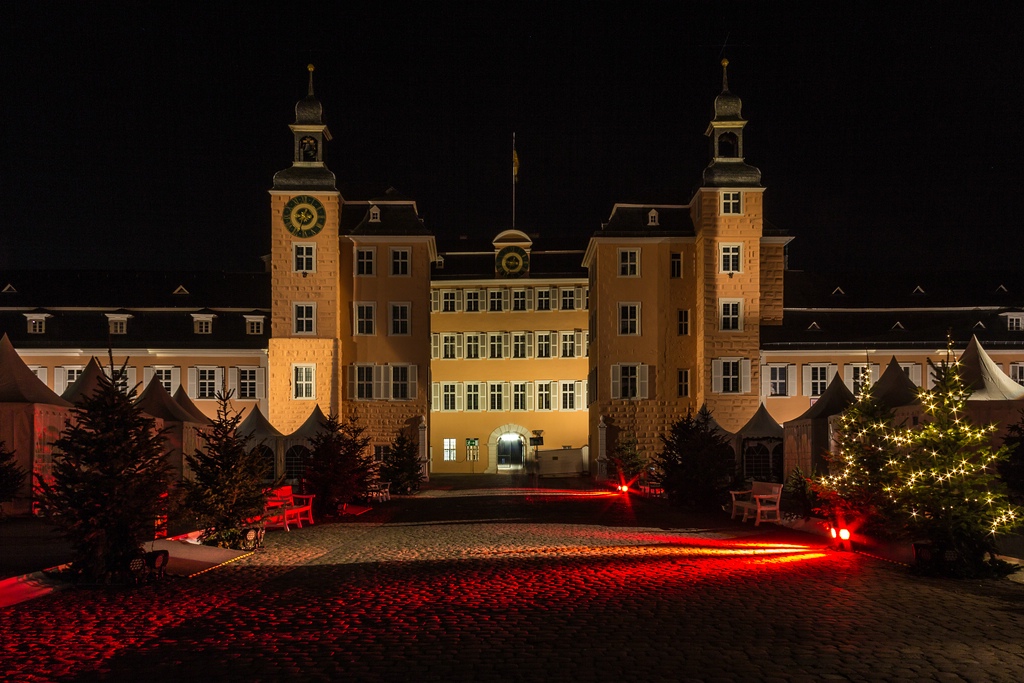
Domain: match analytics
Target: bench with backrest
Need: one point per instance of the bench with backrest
(761, 501)
(284, 508)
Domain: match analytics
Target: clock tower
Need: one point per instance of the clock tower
(304, 350)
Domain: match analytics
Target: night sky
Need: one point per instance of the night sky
(146, 135)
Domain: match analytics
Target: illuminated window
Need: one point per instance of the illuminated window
(374, 214)
(37, 322)
(449, 450)
(472, 449)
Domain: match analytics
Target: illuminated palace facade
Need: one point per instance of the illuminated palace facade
(506, 351)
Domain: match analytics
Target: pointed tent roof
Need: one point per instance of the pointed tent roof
(86, 383)
(894, 388)
(157, 402)
(836, 399)
(761, 426)
(18, 384)
(311, 426)
(181, 398)
(257, 426)
(986, 380)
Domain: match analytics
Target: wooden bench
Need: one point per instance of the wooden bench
(285, 508)
(761, 500)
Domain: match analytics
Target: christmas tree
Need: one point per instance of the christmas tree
(696, 461)
(946, 482)
(626, 462)
(338, 465)
(402, 465)
(108, 482)
(858, 491)
(11, 476)
(227, 489)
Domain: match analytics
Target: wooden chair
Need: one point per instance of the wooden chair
(761, 499)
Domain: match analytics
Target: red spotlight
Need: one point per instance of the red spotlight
(832, 530)
(844, 534)
(623, 488)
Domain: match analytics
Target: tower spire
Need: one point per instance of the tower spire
(310, 67)
(725, 77)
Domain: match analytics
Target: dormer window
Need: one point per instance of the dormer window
(254, 324)
(652, 217)
(37, 322)
(1015, 322)
(374, 214)
(202, 323)
(118, 322)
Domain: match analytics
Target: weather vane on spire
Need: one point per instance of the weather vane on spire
(725, 76)
(310, 67)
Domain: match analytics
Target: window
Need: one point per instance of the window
(543, 345)
(72, 374)
(202, 323)
(568, 300)
(730, 377)
(449, 450)
(206, 383)
(628, 381)
(1017, 373)
(682, 383)
(118, 323)
(519, 300)
(682, 323)
(568, 345)
(473, 300)
(629, 263)
(652, 217)
(1015, 323)
(730, 258)
(246, 382)
(543, 299)
(472, 396)
(400, 383)
(399, 262)
(495, 299)
(519, 345)
(676, 265)
(731, 315)
(165, 377)
(304, 258)
(36, 322)
(818, 379)
(731, 203)
(447, 301)
(304, 386)
(519, 396)
(495, 393)
(364, 382)
(448, 346)
(496, 346)
(544, 396)
(448, 396)
(305, 318)
(400, 319)
(374, 214)
(778, 380)
(861, 376)
(364, 261)
(364, 318)
(378, 453)
(254, 324)
(472, 449)
(472, 346)
(629, 319)
(568, 396)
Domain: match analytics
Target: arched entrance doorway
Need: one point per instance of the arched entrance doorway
(511, 452)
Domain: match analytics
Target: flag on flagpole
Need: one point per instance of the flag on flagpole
(515, 165)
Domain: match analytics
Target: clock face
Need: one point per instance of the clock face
(304, 216)
(512, 262)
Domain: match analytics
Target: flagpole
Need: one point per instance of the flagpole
(514, 161)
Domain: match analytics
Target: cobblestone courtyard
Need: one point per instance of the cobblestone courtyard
(524, 584)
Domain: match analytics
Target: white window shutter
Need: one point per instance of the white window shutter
(616, 381)
(716, 376)
(460, 397)
(435, 345)
(876, 372)
(485, 396)
(132, 377)
(579, 343)
(261, 382)
(60, 379)
(556, 301)
(766, 383)
(192, 382)
(386, 384)
(791, 379)
(413, 383)
(529, 344)
(459, 298)
(807, 380)
(435, 392)
(378, 381)
(351, 382)
(218, 378)
(435, 300)
(529, 396)
(915, 374)
(833, 370)
(233, 381)
(505, 343)
(577, 296)
(505, 390)
(643, 372)
(460, 344)
(586, 344)
(848, 376)
(529, 298)
(556, 395)
(504, 299)
(580, 402)
(147, 375)
(556, 344)
(745, 376)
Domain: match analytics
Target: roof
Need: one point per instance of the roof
(985, 379)
(257, 426)
(633, 220)
(181, 398)
(396, 218)
(894, 388)
(312, 426)
(761, 426)
(472, 257)
(833, 401)
(155, 401)
(18, 384)
(86, 383)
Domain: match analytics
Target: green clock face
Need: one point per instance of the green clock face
(512, 262)
(304, 216)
